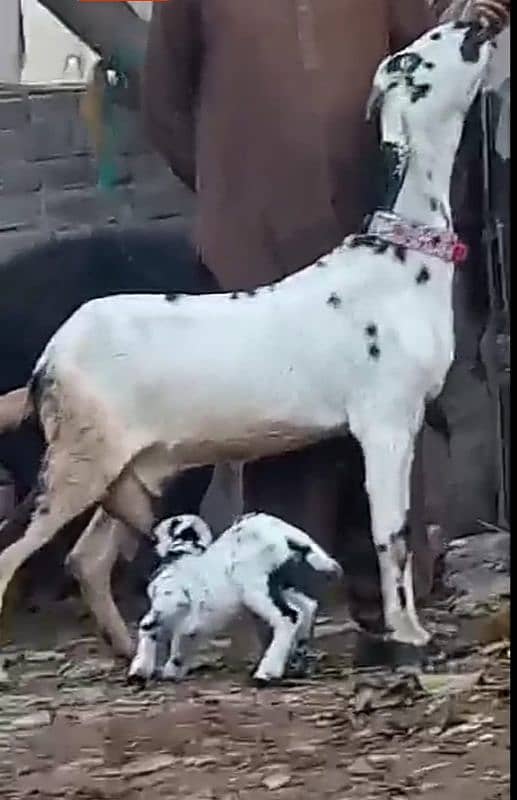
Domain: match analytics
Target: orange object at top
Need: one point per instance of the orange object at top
(122, 1)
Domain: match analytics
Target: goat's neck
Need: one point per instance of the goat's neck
(424, 196)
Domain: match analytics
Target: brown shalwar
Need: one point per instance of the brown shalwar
(259, 107)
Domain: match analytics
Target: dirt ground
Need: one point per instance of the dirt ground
(71, 728)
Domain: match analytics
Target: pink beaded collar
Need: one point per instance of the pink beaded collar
(445, 245)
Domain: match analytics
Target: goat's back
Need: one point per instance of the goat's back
(42, 287)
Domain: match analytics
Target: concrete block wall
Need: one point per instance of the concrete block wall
(48, 172)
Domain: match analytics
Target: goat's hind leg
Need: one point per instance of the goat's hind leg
(284, 620)
(91, 562)
(388, 456)
(299, 659)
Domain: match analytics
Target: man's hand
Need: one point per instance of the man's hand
(494, 14)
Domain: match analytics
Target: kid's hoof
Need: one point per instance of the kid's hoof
(136, 680)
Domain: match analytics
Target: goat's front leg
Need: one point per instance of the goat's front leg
(388, 456)
(284, 620)
(183, 645)
(143, 665)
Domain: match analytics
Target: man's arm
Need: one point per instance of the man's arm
(169, 86)
(494, 13)
(409, 19)
(112, 30)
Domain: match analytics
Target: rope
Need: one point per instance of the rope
(98, 109)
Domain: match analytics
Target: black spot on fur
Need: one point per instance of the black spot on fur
(400, 253)
(295, 573)
(460, 24)
(371, 329)
(423, 276)
(381, 548)
(321, 262)
(420, 91)
(171, 297)
(234, 295)
(377, 244)
(374, 351)
(471, 46)
(177, 662)
(433, 204)
(402, 597)
(436, 36)
(400, 543)
(394, 160)
(334, 300)
(186, 535)
(404, 62)
(429, 65)
(251, 292)
(301, 550)
(404, 533)
(429, 175)
(39, 384)
(276, 583)
(149, 626)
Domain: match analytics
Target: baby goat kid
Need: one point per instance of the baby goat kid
(260, 564)
(132, 390)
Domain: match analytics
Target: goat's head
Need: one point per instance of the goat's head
(185, 534)
(425, 91)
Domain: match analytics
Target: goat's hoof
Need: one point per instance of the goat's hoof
(137, 680)
(265, 683)
(301, 663)
(374, 652)
(171, 672)
(262, 678)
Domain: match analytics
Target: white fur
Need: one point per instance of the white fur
(138, 387)
(196, 594)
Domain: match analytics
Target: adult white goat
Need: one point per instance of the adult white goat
(260, 563)
(132, 389)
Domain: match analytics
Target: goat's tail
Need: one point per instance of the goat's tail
(301, 544)
(315, 555)
(15, 407)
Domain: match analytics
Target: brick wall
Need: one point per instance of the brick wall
(48, 172)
